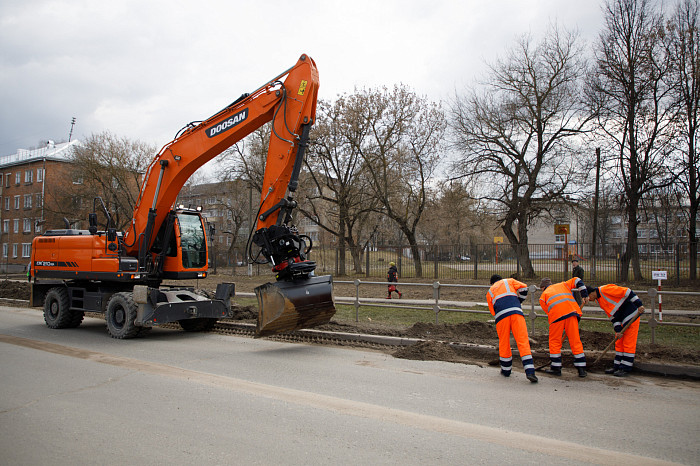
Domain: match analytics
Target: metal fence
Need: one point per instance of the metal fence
(479, 262)
(438, 305)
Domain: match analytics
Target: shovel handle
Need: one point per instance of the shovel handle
(640, 311)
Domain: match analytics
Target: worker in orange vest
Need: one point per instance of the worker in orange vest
(621, 305)
(504, 298)
(564, 313)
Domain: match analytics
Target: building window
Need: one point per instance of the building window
(16, 226)
(16, 202)
(39, 175)
(38, 200)
(5, 248)
(26, 249)
(7, 203)
(18, 180)
(7, 179)
(5, 226)
(27, 225)
(28, 176)
(559, 238)
(14, 249)
(642, 233)
(27, 201)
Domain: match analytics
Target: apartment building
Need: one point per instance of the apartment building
(26, 181)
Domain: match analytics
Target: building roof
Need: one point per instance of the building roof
(52, 151)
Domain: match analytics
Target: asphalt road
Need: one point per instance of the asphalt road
(79, 397)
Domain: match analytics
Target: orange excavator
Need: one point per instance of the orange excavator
(121, 274)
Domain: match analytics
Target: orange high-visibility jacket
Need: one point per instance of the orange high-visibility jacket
(558, 301)
(619, 303)
(504, 298)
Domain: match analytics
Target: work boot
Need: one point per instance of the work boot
(553, 371)
(505, 373)
(399, 295)
(610, 371)
(621, 373)
(581, 371)
(388, 297)
(531, 377)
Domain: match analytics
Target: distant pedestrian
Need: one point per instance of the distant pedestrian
(563, 312)
(622, 306)
(576, 270)
(504, 299)
(392, 276)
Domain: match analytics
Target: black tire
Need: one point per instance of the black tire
(202, 324)
(120, 317)
(57, 312)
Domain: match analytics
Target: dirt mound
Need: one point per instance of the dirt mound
(467, 332)
(14, 290)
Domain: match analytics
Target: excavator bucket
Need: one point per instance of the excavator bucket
(293, 305)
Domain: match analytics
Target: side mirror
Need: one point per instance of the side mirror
(92, 220)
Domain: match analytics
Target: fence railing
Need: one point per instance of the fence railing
(438, 305)
(477, 262)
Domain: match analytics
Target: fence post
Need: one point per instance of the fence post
(533, 314)
(367, 262)
(475, 256)
(436, 296)
(678, 264)
(435, 272)
(357, 300)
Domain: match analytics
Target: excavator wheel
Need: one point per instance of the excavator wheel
(57, 312)
(121, 315)
(285, 306)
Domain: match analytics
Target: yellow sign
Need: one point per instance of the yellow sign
(302, 87)
(498, 239)
(561, 229)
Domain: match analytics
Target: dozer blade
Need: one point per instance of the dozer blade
(293, 305)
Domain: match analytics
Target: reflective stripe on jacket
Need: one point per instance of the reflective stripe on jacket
(558, 301)
(504, 298)
(619, 303)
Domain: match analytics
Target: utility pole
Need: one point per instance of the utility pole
(72, 123)
(595, 211)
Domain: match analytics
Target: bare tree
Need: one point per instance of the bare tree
(630, 91)
(401, 152)
(455, 217)
(110, 167)
(517, 135)
(684, 52)
(339, 200)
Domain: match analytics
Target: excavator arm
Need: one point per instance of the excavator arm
(291, 106)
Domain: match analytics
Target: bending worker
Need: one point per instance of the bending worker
(563, 313)
(504, 298)
(621, 305)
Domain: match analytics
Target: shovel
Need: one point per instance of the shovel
(607, 348)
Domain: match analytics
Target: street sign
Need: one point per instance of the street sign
(561, 229)
(659, 275)
(498, 239)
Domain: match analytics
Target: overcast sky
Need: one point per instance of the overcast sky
(143, 69)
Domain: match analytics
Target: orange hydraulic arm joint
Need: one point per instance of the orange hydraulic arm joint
(288, 100)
